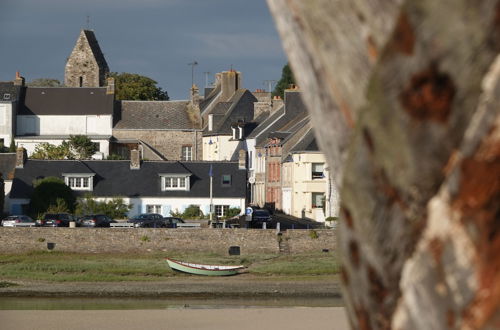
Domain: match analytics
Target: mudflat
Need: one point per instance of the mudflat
(300, 318)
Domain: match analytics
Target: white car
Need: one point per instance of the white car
(18, 221)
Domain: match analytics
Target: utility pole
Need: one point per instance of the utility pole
(192, 71)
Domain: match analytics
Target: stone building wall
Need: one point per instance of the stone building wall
(143, 240)
(168, 143)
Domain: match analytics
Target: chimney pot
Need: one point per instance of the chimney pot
(20, 157)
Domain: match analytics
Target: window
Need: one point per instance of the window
(226, 180)
(174, 182)
(6, 96)
(153, 209)
(317, 200)
(221, 210)
(317, 170)
(79, 182)
(187, 153)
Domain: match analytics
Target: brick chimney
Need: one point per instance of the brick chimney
(111, 86)
(277, 103)
(19, 81)
(135, 159)
(195, 96)
(242, 159)
(20, 157)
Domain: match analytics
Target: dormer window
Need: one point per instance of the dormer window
(77, 181)
(234, 132)
(240, 132)
(174, 182)
(226, 180)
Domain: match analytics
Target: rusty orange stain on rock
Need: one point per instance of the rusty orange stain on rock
(368, 140)
(429, 95)
(363, 318)
(385, 186)
(344, 276)
(378, 291)
(403, 39)
(347, 218)
(436, 249)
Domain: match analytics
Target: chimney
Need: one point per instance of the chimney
(242, 159)
(111, 86)
(20, 157)
(195, 96)
(230, 82)
(135, 159)
(261, 107)
(277, 102)
(19, 81)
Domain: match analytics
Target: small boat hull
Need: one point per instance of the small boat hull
(201, 269)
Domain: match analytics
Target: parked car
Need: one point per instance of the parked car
(56, 220)
(17, 220)
(172, 222)
(148, 220)
(261, 215)
(95, 220)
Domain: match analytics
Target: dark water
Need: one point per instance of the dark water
(15, 303)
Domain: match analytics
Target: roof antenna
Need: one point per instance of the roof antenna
(192, 71)
(206, 78)
(88, 22)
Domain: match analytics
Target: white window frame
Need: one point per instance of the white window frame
(79, 181)
(317, 177)
(221, 210)
(175, 182)
(153, 208)
(187, 153)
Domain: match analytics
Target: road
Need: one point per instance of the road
(285, 221)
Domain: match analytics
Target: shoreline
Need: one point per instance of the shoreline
(245, 285)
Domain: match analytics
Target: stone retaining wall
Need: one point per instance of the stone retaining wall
(140, 240)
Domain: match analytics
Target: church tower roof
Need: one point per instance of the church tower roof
(86, 66)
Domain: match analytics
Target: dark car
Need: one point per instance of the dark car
(261, 215)
(148, 220)
(172, 222)
(95, 220)
(18, 221)
(56, 220)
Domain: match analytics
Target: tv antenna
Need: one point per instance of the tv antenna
(88, 22)
(206, 78)
(269, 83)
(192, 71)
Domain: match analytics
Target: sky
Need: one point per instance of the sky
(154, 38)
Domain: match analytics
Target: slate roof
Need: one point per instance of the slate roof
(67, 101)
(7, 165)
(239, 108)
(115, 178)
(96, 50)
(293, 111)
(307, 143)
(8, 87)
(209, 98)
(154, 115)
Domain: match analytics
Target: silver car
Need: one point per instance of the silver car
(18, 221)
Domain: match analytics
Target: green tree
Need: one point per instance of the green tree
(115, 208)
(12, 147)
(132, 86)
(44, 82)
(46, 194)
(285, 81)
(46, 150)
(81, 147)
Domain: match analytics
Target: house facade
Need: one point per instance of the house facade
(149, 186)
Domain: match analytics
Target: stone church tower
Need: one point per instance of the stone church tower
(86, 66)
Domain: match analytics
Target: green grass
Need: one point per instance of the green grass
(72, 267)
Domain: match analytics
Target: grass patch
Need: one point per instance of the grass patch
(4, 284)
(67, 267)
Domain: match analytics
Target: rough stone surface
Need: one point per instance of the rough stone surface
(140, 240)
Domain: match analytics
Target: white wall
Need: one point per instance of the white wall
(64, 125)
(6, 122)
(222, 147)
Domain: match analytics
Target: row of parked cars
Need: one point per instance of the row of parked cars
(144, 220)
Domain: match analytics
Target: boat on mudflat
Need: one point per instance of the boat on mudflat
(202, 269)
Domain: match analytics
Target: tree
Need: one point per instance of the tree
(81, 147)
(49, 151)
(115, 208)
(285, 81)
(407, 113)
(132, 86)
(12, 147)
(44, 82)
(50, 192)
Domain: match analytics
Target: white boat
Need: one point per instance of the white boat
(202, 269)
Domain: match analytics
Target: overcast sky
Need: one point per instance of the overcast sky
(155, 38)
